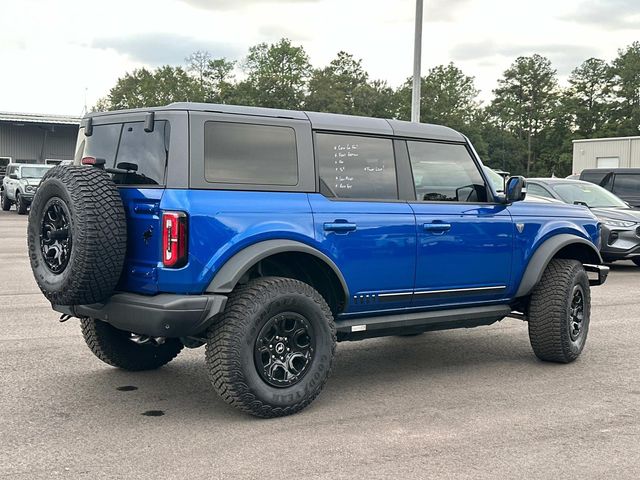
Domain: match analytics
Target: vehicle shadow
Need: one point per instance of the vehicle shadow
(182, 387)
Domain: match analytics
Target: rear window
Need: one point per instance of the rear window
(250, 154)
(594, 177)
(128, 147)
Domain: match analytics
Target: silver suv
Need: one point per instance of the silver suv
(20, 184)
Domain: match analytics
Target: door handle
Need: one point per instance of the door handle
(339, 226)
(437, 227)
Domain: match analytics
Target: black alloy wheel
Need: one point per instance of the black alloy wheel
(284, 349)
(576, 319)
(55, 236)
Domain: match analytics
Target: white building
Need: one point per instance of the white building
(620, 152)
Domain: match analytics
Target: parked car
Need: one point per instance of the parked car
(623, 182)
(268, 235)
(498, 181)
(20, 184)
(620, 222)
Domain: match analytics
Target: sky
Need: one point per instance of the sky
(56, 53)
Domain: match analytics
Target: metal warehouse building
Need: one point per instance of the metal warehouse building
(30, 138)
(620, 152)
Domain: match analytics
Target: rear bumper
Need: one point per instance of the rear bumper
(163, 315)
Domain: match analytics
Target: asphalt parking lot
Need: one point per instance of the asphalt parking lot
(458, 404)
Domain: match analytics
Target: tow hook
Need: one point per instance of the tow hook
(64, 317)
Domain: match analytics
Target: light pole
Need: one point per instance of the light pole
(417, 57)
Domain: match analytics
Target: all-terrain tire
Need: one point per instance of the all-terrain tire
(97, 235)
(4, 201)
(553, 316)
(231, 359)
(115, 348)
(21, 207)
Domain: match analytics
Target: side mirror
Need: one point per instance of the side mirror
(515, 189)
(13, 176)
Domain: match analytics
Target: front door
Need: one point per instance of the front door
(465, 243)
(360, 223)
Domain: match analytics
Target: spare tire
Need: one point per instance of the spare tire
(77, 235)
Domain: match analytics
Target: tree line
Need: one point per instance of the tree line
(527, 127)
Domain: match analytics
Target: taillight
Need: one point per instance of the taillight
(174, 239)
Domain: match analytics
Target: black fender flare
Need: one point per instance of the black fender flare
(543, 255)
(225, 280)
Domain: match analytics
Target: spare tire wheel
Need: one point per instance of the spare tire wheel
(77, 235)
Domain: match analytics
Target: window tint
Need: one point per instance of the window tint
(626, 184)
(102, 144)
(444, 172)
(253, 154)
(535, 189)
(594, 177)
(145, 152)
(356, 167)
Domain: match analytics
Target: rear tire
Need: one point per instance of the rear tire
(21, 207)
(272, 351)
(115, 348)
(4, 201)
(559, 312)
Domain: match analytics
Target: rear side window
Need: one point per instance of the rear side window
(250, 154)
(356, 167)
(446, 173)
(626, 184)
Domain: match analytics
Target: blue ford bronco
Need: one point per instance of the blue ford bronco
(269, 235)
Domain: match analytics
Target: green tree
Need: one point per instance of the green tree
(144, 88)
(220, 80)
(197, 65)
(277, 76)
(448, 97)
(588, 98)
(333, 88)
(626, 86)
(344, 87)
(525, 102)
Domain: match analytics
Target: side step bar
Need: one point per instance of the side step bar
(359, 328)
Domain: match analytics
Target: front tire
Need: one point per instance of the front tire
(272, 351)
(4, 201)
(115, 347)
(21, 206)
(559, 312)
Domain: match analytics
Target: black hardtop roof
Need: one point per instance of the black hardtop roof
(319, 121)
(612, 170)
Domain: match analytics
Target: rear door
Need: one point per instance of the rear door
(143, 158)
(359, 221)
(465, 243)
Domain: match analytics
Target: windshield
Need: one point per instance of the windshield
(34, 172)
(591, 195)
(497, 180)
